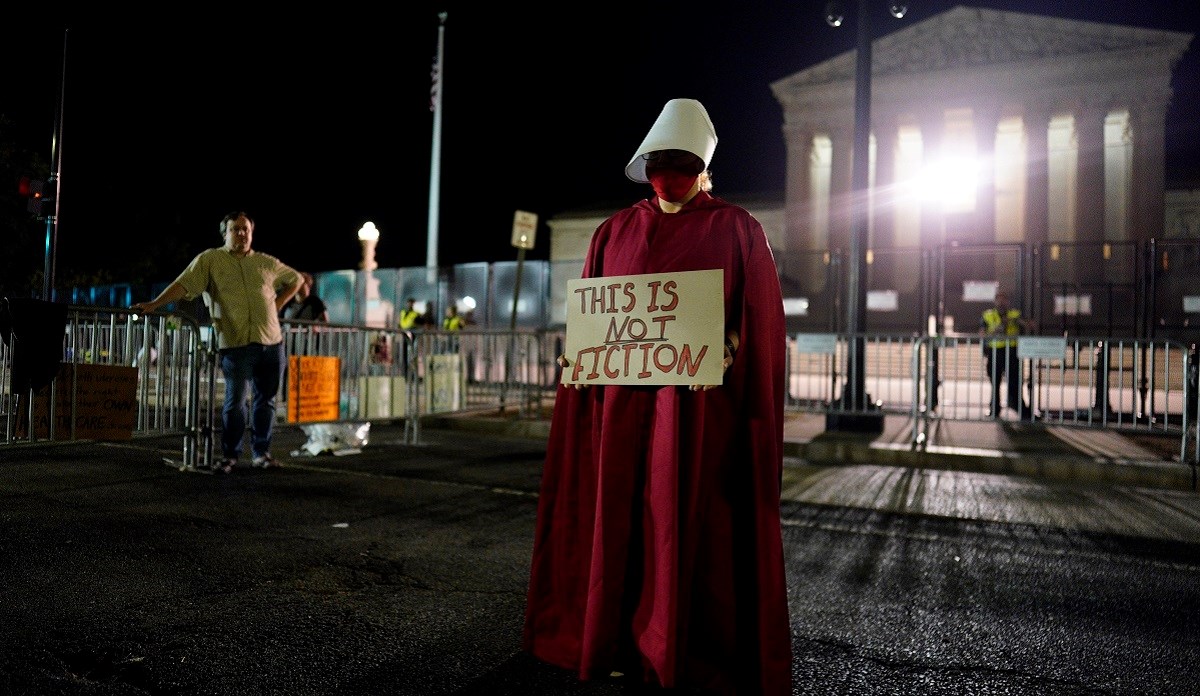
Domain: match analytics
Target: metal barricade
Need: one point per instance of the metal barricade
(821, 367)
(161, 355)
(388, 374)
(1115, 384)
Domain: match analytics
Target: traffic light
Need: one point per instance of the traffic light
(40, 194)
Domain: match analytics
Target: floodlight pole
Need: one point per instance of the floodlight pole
(854, 396)
(856, 305)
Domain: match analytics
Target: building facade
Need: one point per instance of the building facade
(989, 129)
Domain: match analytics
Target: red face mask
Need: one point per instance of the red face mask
(671, 185)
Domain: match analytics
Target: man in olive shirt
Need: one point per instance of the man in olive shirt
(245, 290)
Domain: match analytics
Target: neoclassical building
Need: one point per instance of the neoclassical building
(987, 127)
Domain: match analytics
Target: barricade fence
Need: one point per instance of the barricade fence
(1131, 385)
(388, 374)
(168, 368)
(159, 375)
(120, 375)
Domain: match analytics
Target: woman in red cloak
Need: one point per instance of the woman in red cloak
(658, 552)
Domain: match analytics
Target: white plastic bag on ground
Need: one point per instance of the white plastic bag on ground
(334, 438)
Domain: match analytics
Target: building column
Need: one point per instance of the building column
(798, 215)
(840, 188)
(1089, 188)
(883, 207)
(1037, 174)
(933, 126)
(984, 118)
(883, 215)
(1149, 177)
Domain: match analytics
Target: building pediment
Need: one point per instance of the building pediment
(968, 38)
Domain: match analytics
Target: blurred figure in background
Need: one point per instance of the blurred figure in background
(410, 320)
(453, 321)
(1000, 326)
(410, 316)
(306, 305)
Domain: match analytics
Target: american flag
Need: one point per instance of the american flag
(437, 83)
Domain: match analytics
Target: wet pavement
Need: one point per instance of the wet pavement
(401, 569)
(1057, 476)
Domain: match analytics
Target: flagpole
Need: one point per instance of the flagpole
(435, 158)
(54, 183)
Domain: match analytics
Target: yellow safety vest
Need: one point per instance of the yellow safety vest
(408, 318)
(453, 323)
(1012, 327)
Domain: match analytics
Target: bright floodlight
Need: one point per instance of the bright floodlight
(898, 9)
(467, 303)
(368, 232)
(951, 181)
(833, 13)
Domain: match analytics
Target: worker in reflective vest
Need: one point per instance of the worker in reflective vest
(409, 316)
(410, 320)
(453, 320)
(1000, 327)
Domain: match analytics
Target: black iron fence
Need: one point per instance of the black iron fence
(1068, 289)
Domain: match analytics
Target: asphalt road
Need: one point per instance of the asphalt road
(402, 570)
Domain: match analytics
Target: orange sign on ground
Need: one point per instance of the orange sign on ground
(314, 387)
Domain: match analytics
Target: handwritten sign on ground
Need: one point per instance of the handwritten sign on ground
(104, 398)
(652, 329)
(314, 388)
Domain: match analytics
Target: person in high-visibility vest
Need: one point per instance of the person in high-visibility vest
(453, 320)
(410, 316)
(410, 320)
(1000, 326)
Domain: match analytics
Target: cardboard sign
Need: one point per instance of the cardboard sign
(652, 329)
(314, 388)
(105, 404)
(445, 382)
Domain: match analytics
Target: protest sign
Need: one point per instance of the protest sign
(650, 329)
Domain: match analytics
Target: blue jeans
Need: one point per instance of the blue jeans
(261, 366)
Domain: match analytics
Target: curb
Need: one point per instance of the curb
(848, 450)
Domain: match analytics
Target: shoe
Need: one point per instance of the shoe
(265, 461)
(224, 465)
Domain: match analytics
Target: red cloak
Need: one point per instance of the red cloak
(658, 551)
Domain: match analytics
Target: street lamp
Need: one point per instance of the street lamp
(368, 234)
(854, 397)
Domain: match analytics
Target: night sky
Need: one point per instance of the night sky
(317, 122)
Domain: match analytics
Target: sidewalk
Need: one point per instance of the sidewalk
(1043, 451)
(1044, 475)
